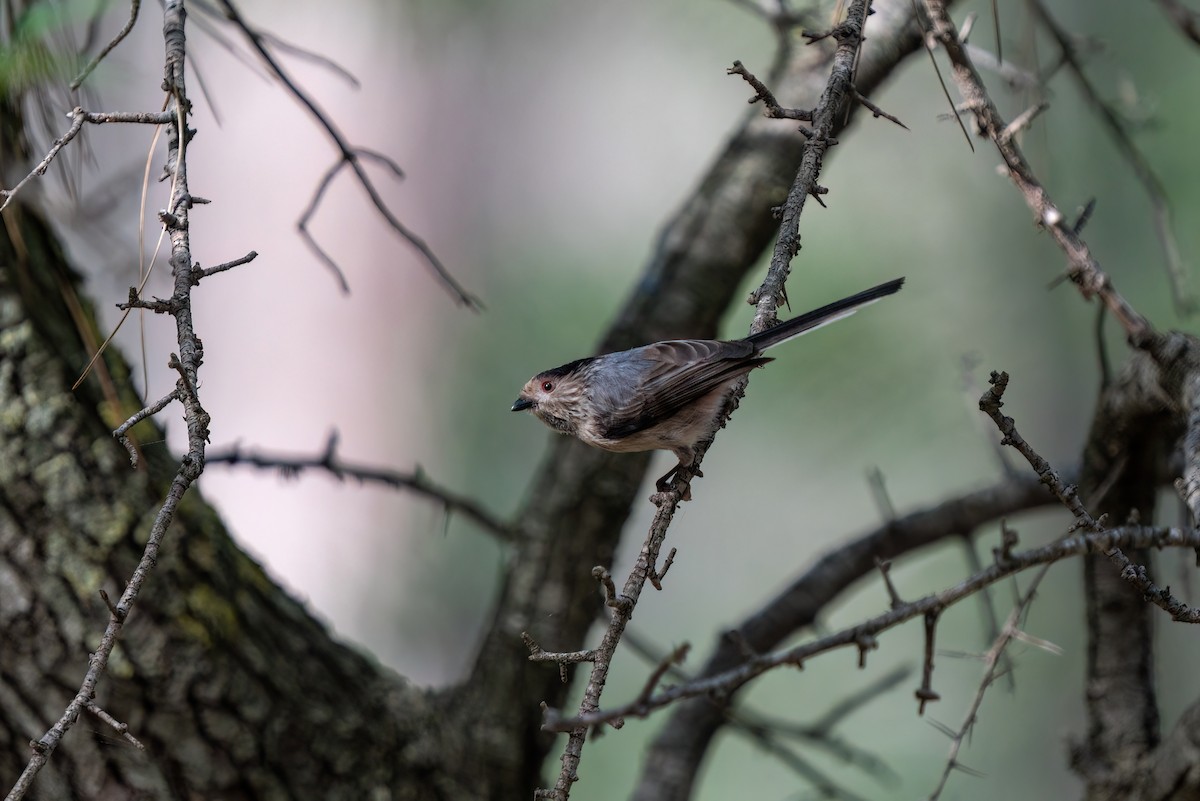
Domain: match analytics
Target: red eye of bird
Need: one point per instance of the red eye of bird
(547, 386)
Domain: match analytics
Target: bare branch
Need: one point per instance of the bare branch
(198, 273)
(885, 570)
(694, 724)
(1135, 575)
(771, 293)
(117, 726)
(134, 7)
(1085, 271)
(771, 107)
(350, 157)
(538, 654)
(122, 430)
(78, 118)
(768, 731)
(987, 607)
(722, 684)
(330, 462)
(1164, 229)
(1067, 494)
(993, 662)
(925, 693)
(876, 111)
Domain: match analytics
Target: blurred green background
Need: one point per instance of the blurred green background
(546, 141)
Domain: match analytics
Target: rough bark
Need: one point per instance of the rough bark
(236, 691)
(1131, 435)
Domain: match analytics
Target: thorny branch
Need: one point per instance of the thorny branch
(769, 732)
(721, 685)
(1068, 495)
(603, 655)
(771, 293)
(797, 606)
(1084, 270)
(1164, 229)
(187, 362)
(824, 116)
(993, 663)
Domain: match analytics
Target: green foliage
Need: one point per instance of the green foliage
(29, 56)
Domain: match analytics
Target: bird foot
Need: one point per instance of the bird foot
(679, 471)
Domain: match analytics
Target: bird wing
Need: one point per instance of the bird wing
(673, 374)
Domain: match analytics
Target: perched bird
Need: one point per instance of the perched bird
(666, 395)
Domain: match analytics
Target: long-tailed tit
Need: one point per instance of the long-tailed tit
(666, 395)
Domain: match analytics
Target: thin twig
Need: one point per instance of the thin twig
(987, 607)
(876, 111)
(768, 731)
(330, 462)
(1067, 494)
(771, 107)
(78, 118)
(121, 433)
(134, 7)
(994, 663)
(199, 273)
(117, 726)
(1164, 229)
(942, 81)
(775, 14)
(925, 693)
(1188, 484)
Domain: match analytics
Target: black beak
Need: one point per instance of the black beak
(522, 404)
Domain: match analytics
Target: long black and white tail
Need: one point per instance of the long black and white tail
(810, 321)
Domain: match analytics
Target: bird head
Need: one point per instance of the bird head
(557, 397)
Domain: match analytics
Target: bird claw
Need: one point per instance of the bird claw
(665, 483)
